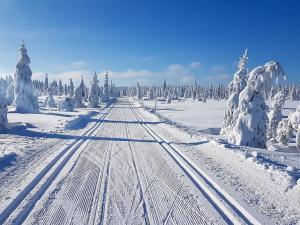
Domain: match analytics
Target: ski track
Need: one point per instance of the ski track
(127, 176)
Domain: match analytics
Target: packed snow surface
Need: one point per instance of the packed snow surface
(125, 165)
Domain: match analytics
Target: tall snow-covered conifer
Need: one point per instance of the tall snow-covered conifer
(105, 97)
(25, 100)
(251, 126)
(60, 88)
(94, 92)
(275, 115)
(234, 88)
(71, 88)
(3, 112)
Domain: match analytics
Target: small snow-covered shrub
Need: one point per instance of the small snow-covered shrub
(66, 105)
(3, 112)
(49, 100)
(275, 115)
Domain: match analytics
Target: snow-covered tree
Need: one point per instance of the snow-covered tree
(60, 88)
(275, 115)
(10, 94)
(71, 88)
(150, 94)
(234, 88)
(54, 87)
(138, 91)
(46, 83)
(250, 127)
(282, 132)
(239, 78)
(94, 92)
(66, 105)
(49, 101)
(105, 97)
(25, 100)
(294, 125)
(3, 112)
(66, 91)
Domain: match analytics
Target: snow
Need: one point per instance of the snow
(251, 176)
(128, 165)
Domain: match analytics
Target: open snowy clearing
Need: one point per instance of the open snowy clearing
(203, 117)
(128, 167)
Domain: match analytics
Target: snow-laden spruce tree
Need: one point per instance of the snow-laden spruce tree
(150, 94)
(25, 100)
(66, 105)
(138, 91)
(250, 128)
(3, 112)
(282, 132)
(46, 83)
(66, 91)
(79, 94)
(49, 100)
(60, 88)
(234, 88)
(275, 115)
(251, 125)
(105, 96)
(10, 94)
(294, 126)
(71, 88)
(94, 93)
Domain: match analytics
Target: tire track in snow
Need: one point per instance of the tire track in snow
(167, 192)
(228, 208)
(54, 167)
(78, 191)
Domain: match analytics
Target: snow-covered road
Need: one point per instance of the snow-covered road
(117, 174)
(122, 171)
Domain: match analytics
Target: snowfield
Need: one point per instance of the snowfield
(125, 165)
(202, 117)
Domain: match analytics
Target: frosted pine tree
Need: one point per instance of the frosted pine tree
(66, 105)
(79, 94)
(49, 101)
(282, 132)
(10, 95)
(250, 128)
(94, 92)
(66, 91)
(60, 88)
(46, 83)
(25, 100)
(138, 91)
(294, 126)
(71, 88)
(275, 115)
(251, 125)
(3, 112)
(150, 94)
(105, 97)
(234, 88)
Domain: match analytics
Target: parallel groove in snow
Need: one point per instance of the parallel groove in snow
(240, 213)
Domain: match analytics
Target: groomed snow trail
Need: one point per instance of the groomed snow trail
(124, 173)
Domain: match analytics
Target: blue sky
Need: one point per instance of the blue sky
(138, 40)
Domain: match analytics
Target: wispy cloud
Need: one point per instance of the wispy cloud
(133, 74)
(79, 63)
(220, 77)
(218, 68)
(187, 79)
(182, 73)
(182, 70)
